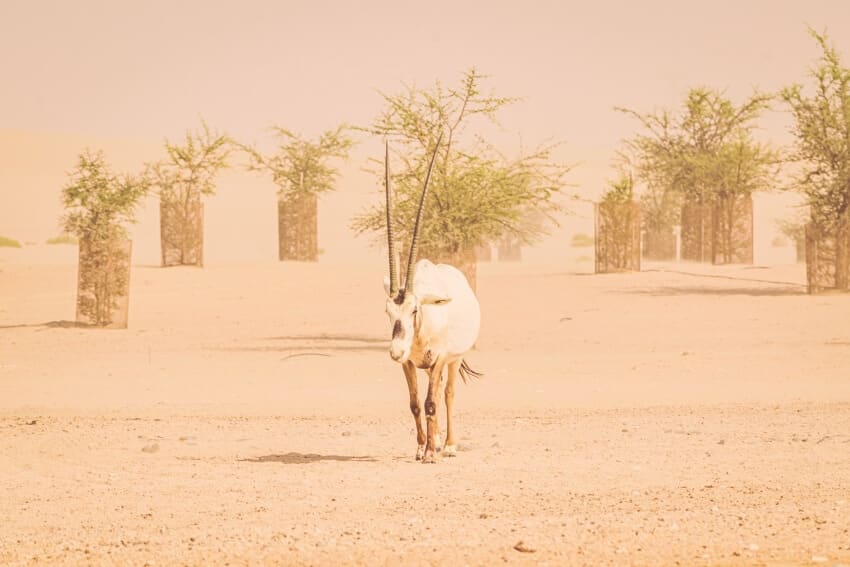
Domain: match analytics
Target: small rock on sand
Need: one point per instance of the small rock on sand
(150, 448)
(523, 548)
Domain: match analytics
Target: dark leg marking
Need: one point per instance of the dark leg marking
(430, 407)
(434, 393)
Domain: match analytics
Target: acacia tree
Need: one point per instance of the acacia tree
(476, 194)
(660, 202)
(188, 172)
(617, 224)
(98, 205)
(707, 156)
(740, 167)
(822, 131)
(302, 170)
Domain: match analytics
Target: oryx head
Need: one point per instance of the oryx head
(403, 303)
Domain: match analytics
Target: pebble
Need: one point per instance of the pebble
(150, 448)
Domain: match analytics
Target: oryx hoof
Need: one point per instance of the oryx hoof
(430, 457)
(420, 451)
(450, 451)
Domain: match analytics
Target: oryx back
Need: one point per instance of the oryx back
(461, 317)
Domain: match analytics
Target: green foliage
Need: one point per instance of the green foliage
(620, 191)
(98, 202)
(617, 230)
(63, 239)
(189, 170)
(9, 242)
(476, 194)
(299, 165)
(822, 129)
(705, 152)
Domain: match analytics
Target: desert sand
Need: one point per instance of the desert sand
(250, 414)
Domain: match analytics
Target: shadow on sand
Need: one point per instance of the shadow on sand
(307, 458)
(49, 324)
(755, 287)
(719, 291)
(315, 345)
(331, 338)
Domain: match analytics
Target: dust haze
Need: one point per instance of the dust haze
(250, 413)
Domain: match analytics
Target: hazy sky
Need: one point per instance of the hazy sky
(147, 69)
(123, 75)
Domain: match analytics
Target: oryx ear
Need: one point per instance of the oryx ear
(430, 299)
(387, 285)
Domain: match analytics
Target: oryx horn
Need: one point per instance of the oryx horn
(390, 236)
(414, 242)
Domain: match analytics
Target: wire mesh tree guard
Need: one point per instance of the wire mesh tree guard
(828, 256)
(298, 227)
(103, 282)
(617, 231)
(719, 230)
(181, 228)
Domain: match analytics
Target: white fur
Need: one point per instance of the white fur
(450, 316)
(459, 320)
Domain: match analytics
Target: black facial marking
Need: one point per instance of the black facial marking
(398, 330)
(430, 407)
(399, 299)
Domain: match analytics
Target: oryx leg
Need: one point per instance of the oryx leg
(435, 382)
(450, 448)
(415, 408)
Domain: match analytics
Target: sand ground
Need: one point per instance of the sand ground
(251, 415)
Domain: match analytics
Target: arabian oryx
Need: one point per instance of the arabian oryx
(435, 319)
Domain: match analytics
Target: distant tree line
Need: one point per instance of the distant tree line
(702, 160)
